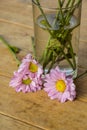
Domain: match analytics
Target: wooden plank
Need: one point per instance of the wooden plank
(83, 27)
(20, 12)
(25, 1)
(6, 24)
(16, 11)
(38, 109)
(35, 109)
(8, 123)
(83, 36)
(81, 86)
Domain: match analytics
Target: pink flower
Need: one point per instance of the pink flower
(59, 86)
(30, 66)
(28, 78)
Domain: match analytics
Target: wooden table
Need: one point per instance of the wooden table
(35, 111)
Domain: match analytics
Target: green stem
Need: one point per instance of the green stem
(44, 55)
(72, 3)
(62, 2)
(63, 17)
(33, 44)
(79, 1)
(67, 59)
(57, 14)
(72, 9)
(61, 12)
(52, 63)
(66, 36)
(72, 54)
(67, 5)
(48, 25)
(69, 13)
(9, 47)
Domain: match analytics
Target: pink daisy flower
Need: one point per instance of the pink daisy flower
(28, 78)
(25, 83)
(30, 66)
(59, 86)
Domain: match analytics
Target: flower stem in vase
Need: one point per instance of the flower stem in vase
(60, 26)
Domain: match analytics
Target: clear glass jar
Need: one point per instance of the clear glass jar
(56, 34)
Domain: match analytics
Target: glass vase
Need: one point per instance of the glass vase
(56, 34)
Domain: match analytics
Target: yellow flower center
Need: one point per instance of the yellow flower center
(27, 81)
(60, 86)
(33, 67)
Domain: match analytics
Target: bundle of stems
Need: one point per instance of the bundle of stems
(59, 46)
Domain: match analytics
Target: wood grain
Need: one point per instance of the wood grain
(82, 59)
(16, 11)
(37, 109)
(8, 123)
(83, 36)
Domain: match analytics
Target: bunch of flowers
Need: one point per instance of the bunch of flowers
(30, 78)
